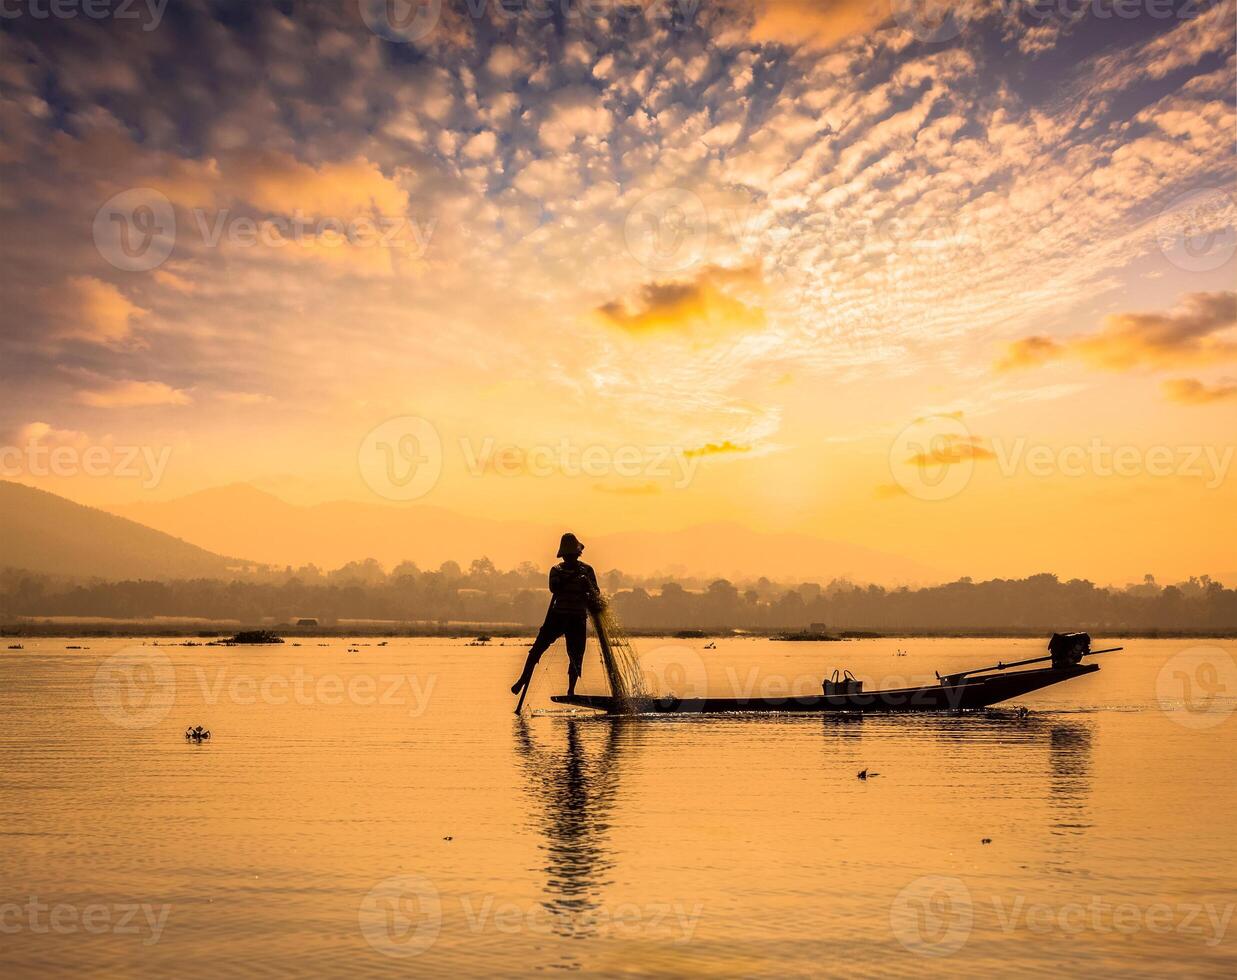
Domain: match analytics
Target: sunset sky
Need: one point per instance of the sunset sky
(937, 280)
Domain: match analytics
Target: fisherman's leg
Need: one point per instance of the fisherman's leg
(576, 632)
(550, 631)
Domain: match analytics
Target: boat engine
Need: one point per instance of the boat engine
(1068, 649)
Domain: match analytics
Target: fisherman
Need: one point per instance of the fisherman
(574, 591)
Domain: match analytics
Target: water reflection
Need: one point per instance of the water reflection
(1069, 756)
(572, 781)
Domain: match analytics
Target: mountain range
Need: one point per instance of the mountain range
(192, 536)
(42, 532)
(242, 520)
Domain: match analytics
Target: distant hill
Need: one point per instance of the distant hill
(42, 532)
(241, 519)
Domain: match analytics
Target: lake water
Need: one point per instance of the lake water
(377, 810)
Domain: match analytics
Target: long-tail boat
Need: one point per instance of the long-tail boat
(963, 691)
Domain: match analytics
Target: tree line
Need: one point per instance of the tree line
(517, 598)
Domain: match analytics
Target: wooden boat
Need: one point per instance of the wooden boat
(965, 691)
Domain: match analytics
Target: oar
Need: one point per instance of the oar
(523, 693)
(1018, 663)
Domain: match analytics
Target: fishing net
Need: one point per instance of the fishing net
(618, 657)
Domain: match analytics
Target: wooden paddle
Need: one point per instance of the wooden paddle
(523, 693)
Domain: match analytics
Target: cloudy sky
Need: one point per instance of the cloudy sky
(925, 277)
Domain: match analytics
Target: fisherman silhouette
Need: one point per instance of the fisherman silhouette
(574, 591)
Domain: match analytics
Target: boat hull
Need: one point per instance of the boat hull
(965, 695)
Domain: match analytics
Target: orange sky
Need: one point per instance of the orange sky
(960, 292)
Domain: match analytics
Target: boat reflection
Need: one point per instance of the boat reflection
(572, 780)
(1069, 757)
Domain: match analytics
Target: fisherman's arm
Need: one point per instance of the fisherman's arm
(594, 588)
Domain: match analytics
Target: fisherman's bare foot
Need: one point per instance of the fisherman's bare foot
(515, 688)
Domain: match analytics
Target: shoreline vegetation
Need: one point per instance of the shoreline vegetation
(484, 634)
(495, 636)
(363, 599)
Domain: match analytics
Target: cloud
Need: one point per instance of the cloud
(949, 449)
(1189, 334)
(281, 184)
(717, 449)
(576, 113)
(815, 23)
(481, 145)
(890, 491)
(134, 394)
(96, 311)
(503, 62)
(1196, 332)
(1029, 352)
(703, 307)
(45, 434)
(1191, 391)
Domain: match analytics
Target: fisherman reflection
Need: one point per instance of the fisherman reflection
(573, 792)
